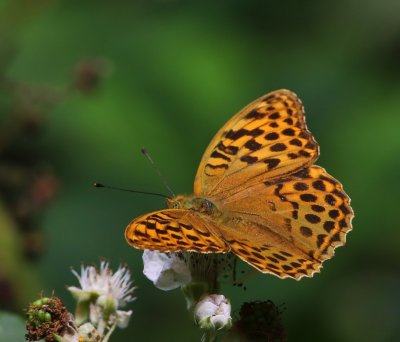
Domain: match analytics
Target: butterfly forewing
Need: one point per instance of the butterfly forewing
(173, 230)
(265, 140)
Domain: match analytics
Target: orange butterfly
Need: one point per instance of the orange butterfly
(256, 194)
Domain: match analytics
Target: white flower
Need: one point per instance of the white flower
(213, 312)
(101, 294)
(166, 271)
(103, 282)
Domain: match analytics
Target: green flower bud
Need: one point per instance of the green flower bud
(42, 315)
(37, 302)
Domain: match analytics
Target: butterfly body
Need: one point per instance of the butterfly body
(195, 203)
(256, 194)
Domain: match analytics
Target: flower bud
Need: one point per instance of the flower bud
(213, 312)
(88, 333)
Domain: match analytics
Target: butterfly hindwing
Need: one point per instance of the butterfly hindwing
(266, 139)
(272, 259)
(292, 224)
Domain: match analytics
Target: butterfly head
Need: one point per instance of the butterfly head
(176, 202)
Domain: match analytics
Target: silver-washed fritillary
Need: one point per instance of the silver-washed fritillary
(256, 194)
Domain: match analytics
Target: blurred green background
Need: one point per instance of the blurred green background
(171, 73)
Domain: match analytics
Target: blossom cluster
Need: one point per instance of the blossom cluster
(100, 298)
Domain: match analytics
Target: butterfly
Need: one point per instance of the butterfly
(258, 195)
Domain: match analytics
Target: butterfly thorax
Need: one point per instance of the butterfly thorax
(194, 203)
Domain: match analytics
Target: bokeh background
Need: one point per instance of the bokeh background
(85, 84)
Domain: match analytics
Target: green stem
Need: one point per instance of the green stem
(106, 338)
(209, 336)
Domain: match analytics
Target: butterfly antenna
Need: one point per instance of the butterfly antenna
(147, 155)
(100, 185)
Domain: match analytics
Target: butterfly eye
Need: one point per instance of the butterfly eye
(176, 205)
(206, 207)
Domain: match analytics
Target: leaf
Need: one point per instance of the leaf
(12, 328)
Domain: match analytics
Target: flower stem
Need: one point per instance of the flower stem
(209, 336)
(107, 336)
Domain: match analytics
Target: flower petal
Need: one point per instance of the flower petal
(166, 271)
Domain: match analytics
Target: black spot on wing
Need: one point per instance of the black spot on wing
(271, 136)
(249, 159)
(254, 114)
(289, 132)
(312, 218)
(218, 166)
(300, 186)
(278, 147)
(217, 154)
(329, 225)
(252, 145)
(308, 197)
(235, 135)
(272, 162)
(275, 116)
(231, 150)
(305, 231)
(295, 142)
(319, 185)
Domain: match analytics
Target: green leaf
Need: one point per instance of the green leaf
(12, 327)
